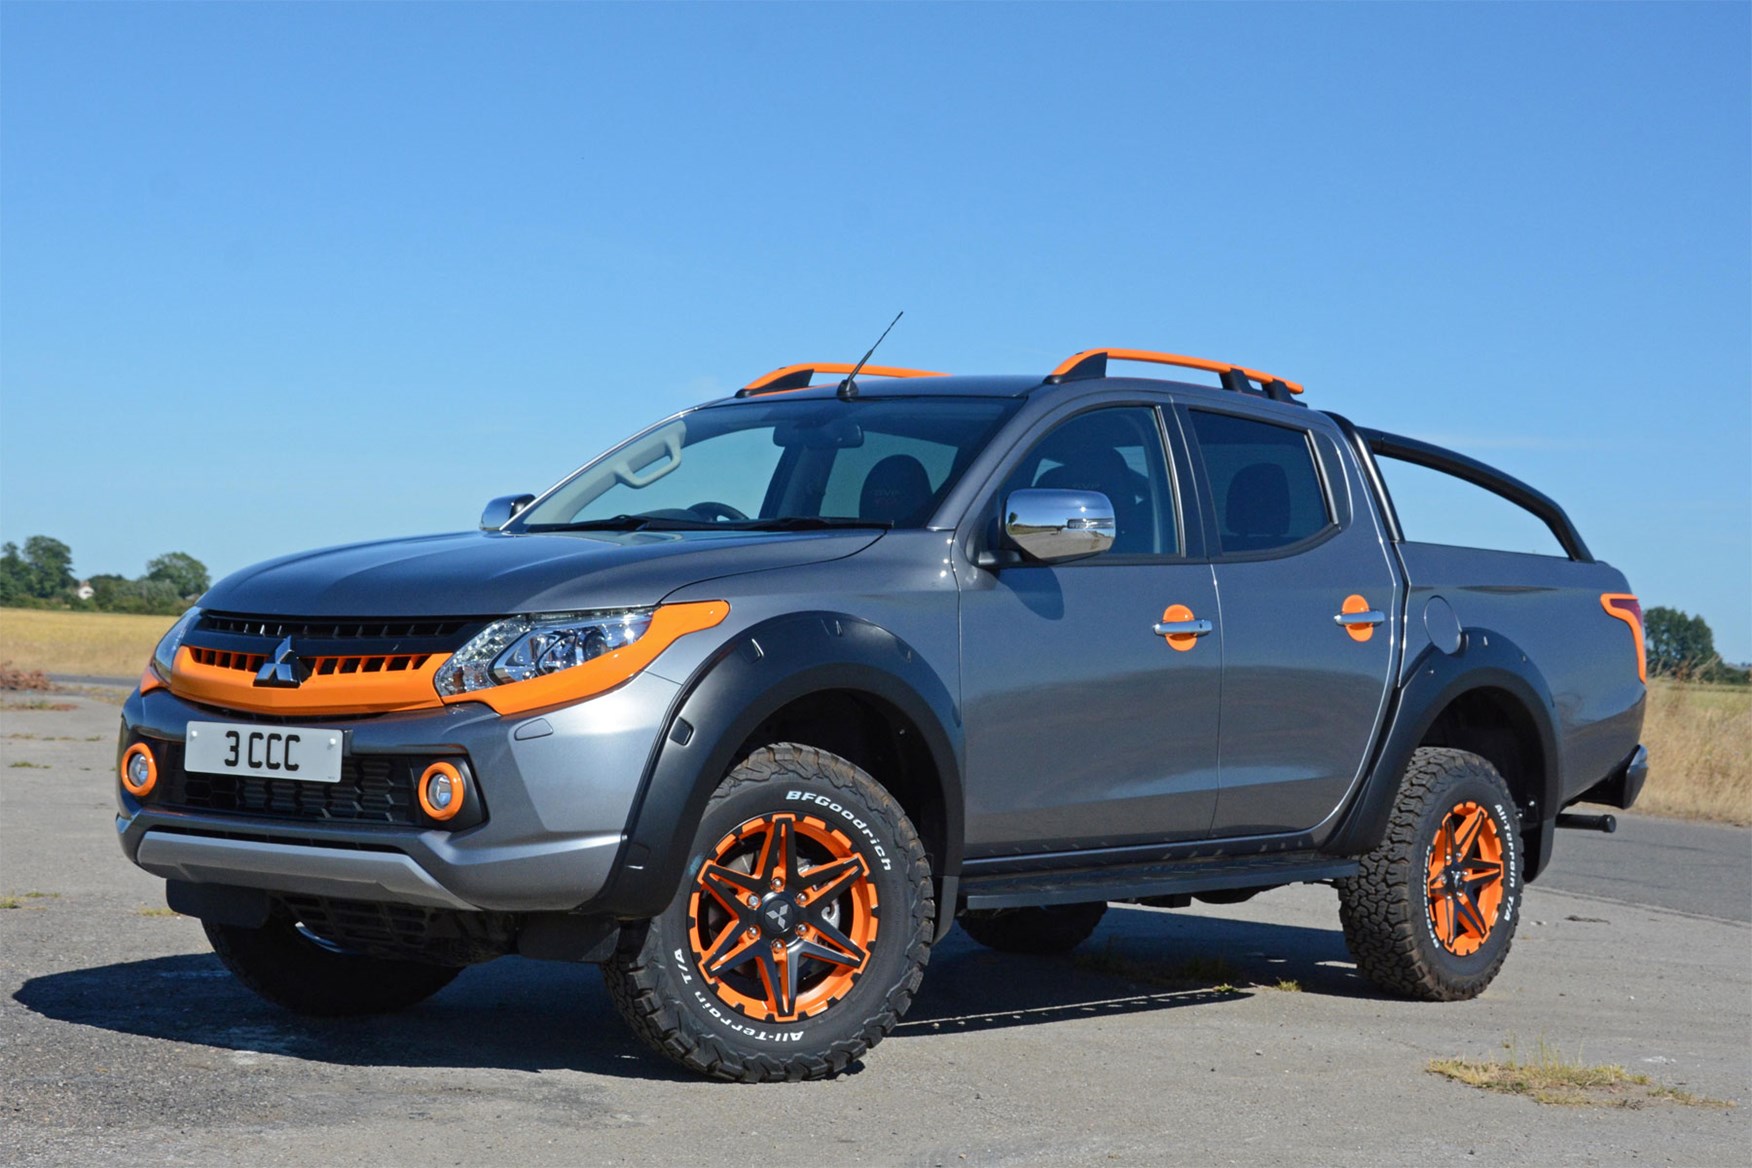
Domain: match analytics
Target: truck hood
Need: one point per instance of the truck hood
(495, 573)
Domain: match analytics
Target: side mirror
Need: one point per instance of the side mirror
(1051, 526)
(503, 510)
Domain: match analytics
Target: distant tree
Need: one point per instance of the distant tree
(1676, 642)
(1681, 645)
(14, 580)
(44, 572)
(181, 571)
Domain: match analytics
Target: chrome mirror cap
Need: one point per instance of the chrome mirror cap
(1059, 525)
(503, 510)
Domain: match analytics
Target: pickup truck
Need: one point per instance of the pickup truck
(751, 709)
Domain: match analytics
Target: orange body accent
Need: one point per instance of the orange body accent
(380, 685)
(330, 693)
(1465, 879)
(456, 787)
(1183, 362)
(668, 624)
(813, 367)
(149, 680)
(1628, 609)
(797, 976)
(144, 789)
(1179, 642)
(1355, 603)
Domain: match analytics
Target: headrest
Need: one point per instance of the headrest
(897, 490)
(1259, 501)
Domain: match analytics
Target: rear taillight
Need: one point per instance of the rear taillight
(1625, 607)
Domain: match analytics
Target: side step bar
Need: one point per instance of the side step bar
(1134, 881)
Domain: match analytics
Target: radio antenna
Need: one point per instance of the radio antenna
(848, 389)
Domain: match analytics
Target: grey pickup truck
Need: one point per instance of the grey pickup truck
(751, 709)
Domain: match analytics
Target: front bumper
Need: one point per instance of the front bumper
(558, 787)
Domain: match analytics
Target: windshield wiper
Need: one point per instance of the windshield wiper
(805, 523)
(631, 523)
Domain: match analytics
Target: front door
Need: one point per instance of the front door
(1085, 728)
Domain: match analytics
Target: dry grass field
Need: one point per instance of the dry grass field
(89, 644)
(1699, 736)
(1700, 752)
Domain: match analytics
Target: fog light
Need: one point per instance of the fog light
(139, 770)
(441, 791)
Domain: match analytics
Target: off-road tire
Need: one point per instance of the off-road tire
(288, 968)
(1054, 928)
(1392, 925)
(656, 978)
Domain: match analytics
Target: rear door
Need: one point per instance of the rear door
(1306, 593)
(1084, 728)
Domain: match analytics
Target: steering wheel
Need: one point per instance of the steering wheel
(711, 509)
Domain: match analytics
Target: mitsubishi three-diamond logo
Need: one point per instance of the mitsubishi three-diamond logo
(283, 670)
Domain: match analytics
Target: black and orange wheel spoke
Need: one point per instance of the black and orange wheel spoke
(730, 949)
(782, 917)
(1464, 880)
(731, 888)
(829, 880)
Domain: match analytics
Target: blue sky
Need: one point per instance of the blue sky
(277, 276)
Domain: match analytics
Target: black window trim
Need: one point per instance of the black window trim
(1337, 519)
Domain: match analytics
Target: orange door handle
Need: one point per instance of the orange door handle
(1357, 618)
(1180, 627)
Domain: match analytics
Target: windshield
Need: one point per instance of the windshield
(876, 462)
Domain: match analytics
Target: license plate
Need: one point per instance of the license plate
(266, 752)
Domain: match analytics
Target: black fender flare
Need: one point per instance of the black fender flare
(1486, 660)
(749, 678)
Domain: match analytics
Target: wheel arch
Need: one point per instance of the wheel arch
(1488, 699)
(836, 682)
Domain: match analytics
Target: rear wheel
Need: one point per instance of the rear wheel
(801, 930)
(1055, 928)
(293, 967)
(1432, 913)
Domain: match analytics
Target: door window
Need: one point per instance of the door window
(1118, 452)
(1264, 484)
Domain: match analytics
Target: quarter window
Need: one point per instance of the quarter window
(1264, 484)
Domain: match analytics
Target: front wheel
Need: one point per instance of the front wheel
(1433, 911)
(800, 932)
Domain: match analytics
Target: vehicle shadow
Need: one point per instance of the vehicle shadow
(1137, 960)
(532, 1015)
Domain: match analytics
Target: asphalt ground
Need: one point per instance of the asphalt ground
(1164, 1041)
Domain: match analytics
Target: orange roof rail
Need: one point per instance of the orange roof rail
(1093, 363)
(799, 376)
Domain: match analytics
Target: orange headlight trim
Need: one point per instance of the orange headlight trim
(669, 624)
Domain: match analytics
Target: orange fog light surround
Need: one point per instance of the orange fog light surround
(139, 777)
(441, 791)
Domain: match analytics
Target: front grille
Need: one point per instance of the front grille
(374, 789)
(245, 662)
(319, 666)
(326, 628)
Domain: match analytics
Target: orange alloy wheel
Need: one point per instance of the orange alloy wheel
(1465, 878)
(782, 917)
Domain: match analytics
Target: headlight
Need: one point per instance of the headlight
(164, 657)
(528, 647)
